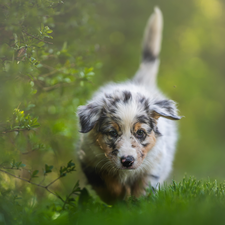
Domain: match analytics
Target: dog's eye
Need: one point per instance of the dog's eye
(113, 133)
(140, 134)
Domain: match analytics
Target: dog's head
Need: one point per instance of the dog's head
(124, 125)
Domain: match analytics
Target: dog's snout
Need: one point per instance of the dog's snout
(127, 161)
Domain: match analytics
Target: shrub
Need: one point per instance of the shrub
(47, 62)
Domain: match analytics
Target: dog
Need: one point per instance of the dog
(128, 132)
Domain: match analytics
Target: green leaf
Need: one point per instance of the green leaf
(22, 165)
(48, 36)
(48, 169)
(71, 199)
(84, 197)
(17, 164)
(70, 164)
(35, 125)
(34, 174)
(40, 44)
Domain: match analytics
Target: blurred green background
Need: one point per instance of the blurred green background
(55, 54)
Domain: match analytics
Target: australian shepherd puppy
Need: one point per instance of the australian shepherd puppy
(128, 130)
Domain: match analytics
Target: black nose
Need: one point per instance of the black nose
(127, 161)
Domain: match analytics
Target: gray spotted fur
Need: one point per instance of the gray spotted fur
(137, 97)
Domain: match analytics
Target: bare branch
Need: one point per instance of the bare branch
(50, 73)
(9, 131)
(42, 180)
(28, 152)
(21, 178)
(38, 185)
(50, 88)
(53, 182)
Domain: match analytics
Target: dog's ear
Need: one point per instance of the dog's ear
(88, 115)
(166, 109)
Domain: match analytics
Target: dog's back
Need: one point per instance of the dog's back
(129, 137)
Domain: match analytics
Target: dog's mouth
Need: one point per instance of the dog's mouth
(132, 167)
(127, 168)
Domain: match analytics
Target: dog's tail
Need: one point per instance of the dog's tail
(146, 75)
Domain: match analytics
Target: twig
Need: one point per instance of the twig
(75, 189)
(53, 182)
(48, 74)
(50, 88)
(42, 180)
(61, 85)
(8, 131)
(47, 66)
(65, 202)
(37, 38)
(28, 152)
(39, 185)
(21, 178)
(10, 168)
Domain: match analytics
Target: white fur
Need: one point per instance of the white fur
(143, 83)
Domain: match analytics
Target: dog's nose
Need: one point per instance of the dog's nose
(127, 161)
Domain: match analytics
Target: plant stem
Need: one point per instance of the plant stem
(39, 185)
(36, 37)
(8, 131)
(53, 182)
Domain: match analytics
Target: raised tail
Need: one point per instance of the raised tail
(146, 75)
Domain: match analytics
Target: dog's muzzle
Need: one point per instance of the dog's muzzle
(127, 161)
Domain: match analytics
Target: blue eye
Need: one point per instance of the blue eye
(140, 134)
(113, 133)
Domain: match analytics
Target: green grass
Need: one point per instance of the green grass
(190, 201)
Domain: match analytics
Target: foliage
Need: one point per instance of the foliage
(189, 201)
(45, 73)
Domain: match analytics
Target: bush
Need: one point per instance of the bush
(47, 62)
